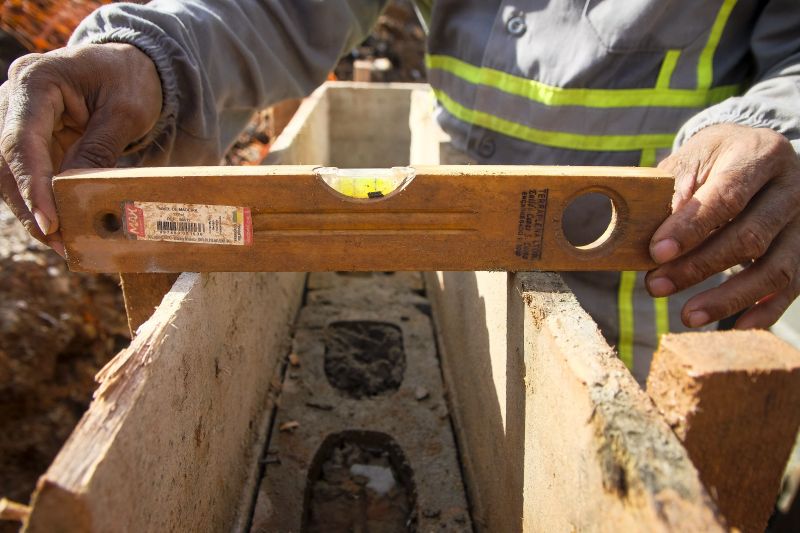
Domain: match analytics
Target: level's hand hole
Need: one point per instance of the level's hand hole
(588, 220)
(108, 224)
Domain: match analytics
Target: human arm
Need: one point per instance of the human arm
(212, 62)
(737, 196)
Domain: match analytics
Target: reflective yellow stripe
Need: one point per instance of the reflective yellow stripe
(599, 98)
(660, 305)
(627, 281)
(667, 68)
(705, 66)
(648, 158)
(557, 139)
(662, 317)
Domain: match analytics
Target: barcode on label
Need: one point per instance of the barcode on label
(188, 223)
(180, 227)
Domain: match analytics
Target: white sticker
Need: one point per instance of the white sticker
(197, 223)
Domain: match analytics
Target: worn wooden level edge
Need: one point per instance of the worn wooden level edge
(446, 218)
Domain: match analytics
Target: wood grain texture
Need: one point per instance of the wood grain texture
(733, 398)
(447, 218)
(555, 434)
(172, 438)
(598, 455)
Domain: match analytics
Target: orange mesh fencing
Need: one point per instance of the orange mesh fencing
(43, 25)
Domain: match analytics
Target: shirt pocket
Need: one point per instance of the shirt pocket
(650, 25)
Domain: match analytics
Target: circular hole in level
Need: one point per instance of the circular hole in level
(363, 358)
(587, 221)
(109, 223)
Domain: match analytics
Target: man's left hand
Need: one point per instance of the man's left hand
(737, 200)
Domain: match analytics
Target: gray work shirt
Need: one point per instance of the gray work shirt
(595, 82)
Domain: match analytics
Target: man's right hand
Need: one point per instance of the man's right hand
(76, 107)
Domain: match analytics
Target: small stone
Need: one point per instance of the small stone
(420, 393)
(289, 426)
(431, 513)
(378, 478)
(382, 64)
(294, 359)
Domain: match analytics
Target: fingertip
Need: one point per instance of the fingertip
(43, 221)
(660, 286)
(58, 247)
(696, 319)
(664, 250)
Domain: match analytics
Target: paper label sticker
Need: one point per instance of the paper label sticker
(197, 223)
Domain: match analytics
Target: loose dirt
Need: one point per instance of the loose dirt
(359, 489)
(56, 330)
(364, 358)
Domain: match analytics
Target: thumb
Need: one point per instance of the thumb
(100, 147)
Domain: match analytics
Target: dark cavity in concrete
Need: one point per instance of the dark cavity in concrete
(359, 481)
(364, 359)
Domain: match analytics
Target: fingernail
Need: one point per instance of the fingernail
(698, 318)
(58, 247)
(42, 221)
(665, 250)
(661, 286)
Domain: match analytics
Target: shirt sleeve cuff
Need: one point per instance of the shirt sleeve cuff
(157, 48)
(744, 112)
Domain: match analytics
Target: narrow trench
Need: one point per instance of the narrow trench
(450, 418)
(327, 465)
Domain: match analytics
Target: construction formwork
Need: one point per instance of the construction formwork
(194, 427)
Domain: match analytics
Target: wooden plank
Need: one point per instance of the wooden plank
(446, 218)
(555, 433)
(733, 398)
(305, 139)
(143, 293)
(370, 124)
(172, 438)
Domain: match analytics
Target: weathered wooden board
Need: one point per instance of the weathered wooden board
(172, 438)
(446, 218)
(554, 431)
(733, 398)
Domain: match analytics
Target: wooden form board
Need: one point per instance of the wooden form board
(555, 434)
(733, 399)
(445, 218)
(172, 438)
